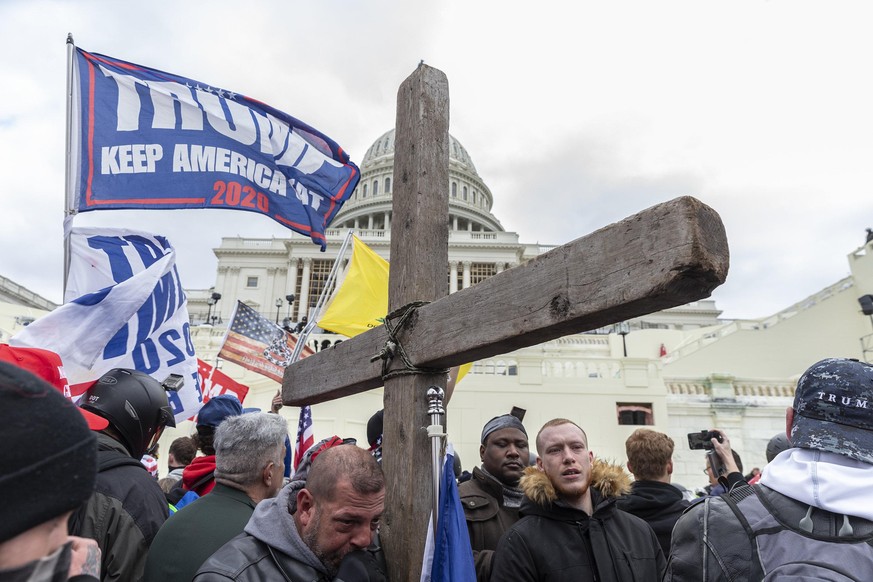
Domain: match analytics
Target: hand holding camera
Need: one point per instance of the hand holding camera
(718, 450)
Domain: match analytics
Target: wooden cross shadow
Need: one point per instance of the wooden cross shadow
(667, 255)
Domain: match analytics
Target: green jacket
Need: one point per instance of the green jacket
(195, 532)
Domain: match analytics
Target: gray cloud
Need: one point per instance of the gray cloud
(574, 108)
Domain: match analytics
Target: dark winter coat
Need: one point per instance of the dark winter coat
(194, 533)
(124, 513)
(487, 518)
(555, 542)
(659, 504)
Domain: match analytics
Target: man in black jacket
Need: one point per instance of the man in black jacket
(492, 497)
(570, 528)
(47, 470)
(652, 498)
(128, 507)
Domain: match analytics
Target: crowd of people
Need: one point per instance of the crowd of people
(80, 505)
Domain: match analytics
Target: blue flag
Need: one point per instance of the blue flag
(144, 138)
(452, 554)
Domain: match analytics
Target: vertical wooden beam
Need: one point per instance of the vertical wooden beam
(419, 259)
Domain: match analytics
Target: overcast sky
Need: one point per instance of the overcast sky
(576, 114)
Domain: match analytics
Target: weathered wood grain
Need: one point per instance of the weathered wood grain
(419, 254)
(667, 255)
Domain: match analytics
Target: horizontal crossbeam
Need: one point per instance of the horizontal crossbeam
(667, 255)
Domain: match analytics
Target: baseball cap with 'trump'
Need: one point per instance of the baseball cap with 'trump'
(833, 409)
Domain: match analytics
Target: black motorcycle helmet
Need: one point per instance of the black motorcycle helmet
(135, 404)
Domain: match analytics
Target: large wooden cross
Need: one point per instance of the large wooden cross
(665, 256)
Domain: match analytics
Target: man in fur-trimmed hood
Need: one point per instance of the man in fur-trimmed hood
(570, 528)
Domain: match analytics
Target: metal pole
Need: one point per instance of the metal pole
(435, 397)
(303, 336)
(69, 207)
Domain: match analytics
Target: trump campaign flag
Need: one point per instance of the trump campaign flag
(144, 138)
(214, 382)
(126, 309)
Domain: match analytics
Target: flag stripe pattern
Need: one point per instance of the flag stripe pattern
(256, 343)
(305, 436)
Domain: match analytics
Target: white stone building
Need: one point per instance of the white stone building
(677, 371)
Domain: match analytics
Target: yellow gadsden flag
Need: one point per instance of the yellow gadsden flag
(361, 302)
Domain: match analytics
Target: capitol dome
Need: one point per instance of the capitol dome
(369, 207)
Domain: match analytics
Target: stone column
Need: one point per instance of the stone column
(233, 288)
(357, 224)
(369, 222)
(455, 222)
(466, 281)
(270, 291)
(498, 267)
(222, 285)
(387, 221)
(303, 306)
(453, 276)
(291, 286)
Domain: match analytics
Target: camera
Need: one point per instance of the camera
(703, 439)
(173, 382)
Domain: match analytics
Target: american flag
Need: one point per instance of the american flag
(304, 435)
(256, 343)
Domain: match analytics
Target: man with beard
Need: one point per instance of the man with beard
(316, 530)
(570, 528)
(491, 498)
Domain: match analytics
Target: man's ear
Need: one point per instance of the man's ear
(539, 463)
(267, 474)
(630, 469)
(481, 453)
(305, 506)
(789, 420)
(670, 467)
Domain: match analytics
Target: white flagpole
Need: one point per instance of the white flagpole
(312, 321)
(69, 189)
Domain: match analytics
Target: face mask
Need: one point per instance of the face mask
(52, 568)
